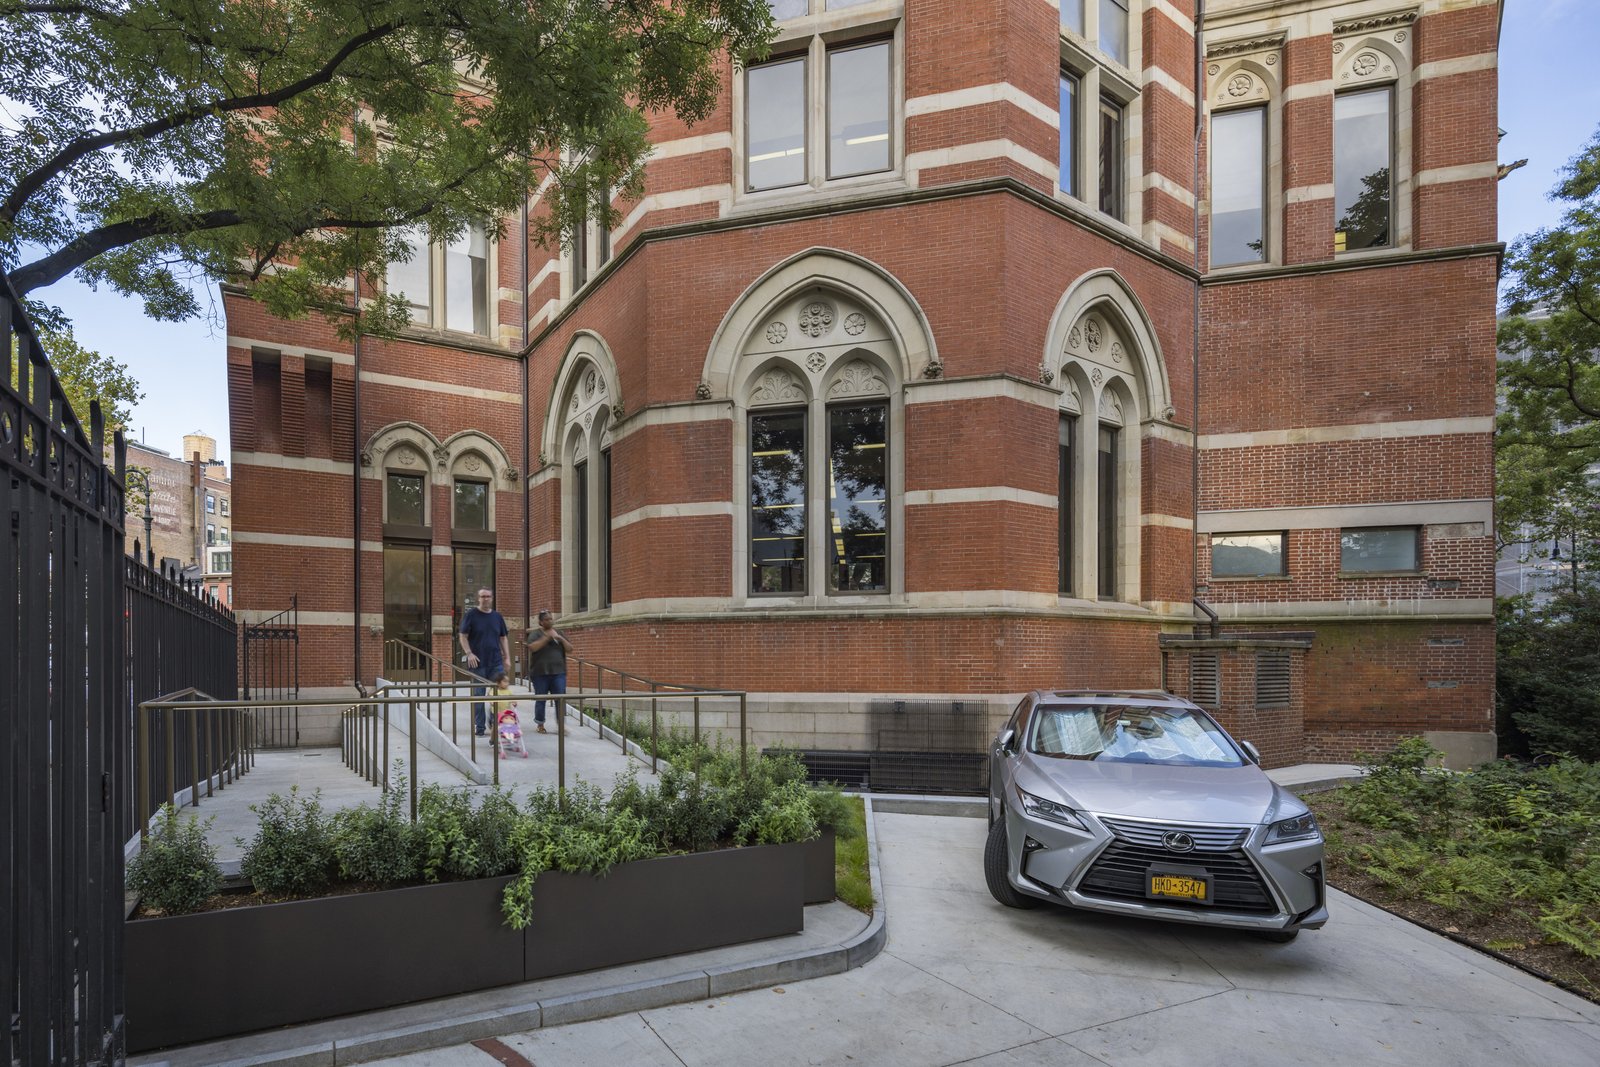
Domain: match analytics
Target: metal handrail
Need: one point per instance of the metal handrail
(232, 749)
(367, 733)
(648, 685)
(408, 657)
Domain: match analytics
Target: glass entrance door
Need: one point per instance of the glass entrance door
(474, 570)
(405, 608)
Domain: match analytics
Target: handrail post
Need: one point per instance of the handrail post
(413, 707)
(194, 758)
(172, 757)
(142, 783)
(744, 728)
(561, 748)
(653, 737)
(697, 722)
(385, 747)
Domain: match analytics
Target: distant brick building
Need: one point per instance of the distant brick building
(922, 372)
(190, 511)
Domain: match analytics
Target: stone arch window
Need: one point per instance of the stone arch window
(1113, 385)
(814, 359)
(585, 407)
(1245, 150)
(1372, 137)
(402, 456)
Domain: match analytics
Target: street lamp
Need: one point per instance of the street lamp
(149, 519)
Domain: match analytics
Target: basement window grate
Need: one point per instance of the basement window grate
(1272, 679)
(1205, 679)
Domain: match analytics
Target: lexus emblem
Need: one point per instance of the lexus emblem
(1177, 841)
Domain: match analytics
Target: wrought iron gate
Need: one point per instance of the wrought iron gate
(272, 669)
(63, 717)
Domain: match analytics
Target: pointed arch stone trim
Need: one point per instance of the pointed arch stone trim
(825, 268)
(465, 442)
(586, 346)
(1106, 290)
(396, 434)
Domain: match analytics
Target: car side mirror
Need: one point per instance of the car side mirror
(1251, 751)
(1007, 737)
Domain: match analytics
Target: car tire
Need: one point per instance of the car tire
(996, 859)
(1280, 937)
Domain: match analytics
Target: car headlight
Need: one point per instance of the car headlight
(1299, 828)
(1051, 811)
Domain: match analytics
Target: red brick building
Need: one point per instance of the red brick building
(923, 372)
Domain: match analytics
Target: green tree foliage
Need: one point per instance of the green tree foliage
(153, 142)
(88, 375)
(1549, 429)
(1547, 679)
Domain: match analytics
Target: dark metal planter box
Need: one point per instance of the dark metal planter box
(196, 977)
(819, 869)
(664, 907)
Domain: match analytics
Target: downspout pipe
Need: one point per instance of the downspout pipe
(1194, 359)
(355, 463)
(527, 437)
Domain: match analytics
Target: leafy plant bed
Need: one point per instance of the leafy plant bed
(1505, 858)
(363, 908)
(195, 977)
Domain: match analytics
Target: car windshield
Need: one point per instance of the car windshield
(1121, 733)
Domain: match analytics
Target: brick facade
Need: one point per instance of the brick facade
(990, 310)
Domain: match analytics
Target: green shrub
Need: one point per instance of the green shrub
(293, 851)
(834, 811)
(378, 844)
(782, 817)
(176, 869)
(585, 835)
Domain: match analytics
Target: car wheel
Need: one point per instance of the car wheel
(1280, 937)
(996, 859)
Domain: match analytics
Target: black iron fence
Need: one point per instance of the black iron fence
(271, 650)
(178, 639)
(63, 716)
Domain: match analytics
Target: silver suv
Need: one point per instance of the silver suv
(1138, 803)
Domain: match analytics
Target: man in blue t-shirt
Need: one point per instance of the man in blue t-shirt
(487, 647)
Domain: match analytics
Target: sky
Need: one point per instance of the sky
(1549, 108)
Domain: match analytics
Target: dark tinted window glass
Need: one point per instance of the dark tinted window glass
(858, 110)
(778, 502)
(1246, 555)
(1111, 158)
(405, 500)
(471, 506)
(1108, 512)
(1392, 548)
(858, 489)
(1064, 490)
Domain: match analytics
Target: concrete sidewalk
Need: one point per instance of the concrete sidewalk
(966, 981)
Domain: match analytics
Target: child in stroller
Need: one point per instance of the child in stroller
(508, 731)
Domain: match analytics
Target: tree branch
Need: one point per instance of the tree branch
(83, 146)
(1572, 390)
(75, 253)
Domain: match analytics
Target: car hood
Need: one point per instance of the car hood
(1241, 796)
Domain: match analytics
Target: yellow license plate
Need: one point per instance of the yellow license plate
(1180, 887)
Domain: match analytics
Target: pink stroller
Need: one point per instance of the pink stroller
(510, 734)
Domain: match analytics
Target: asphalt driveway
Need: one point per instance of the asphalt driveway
(964, 980)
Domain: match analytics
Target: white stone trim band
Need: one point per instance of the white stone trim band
(1359, 431)
(1418, 513)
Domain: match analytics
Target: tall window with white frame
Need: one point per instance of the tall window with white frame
(778, 502)
(472, 547)
(1106, 519)
(1114, 29)
(580, 546)
(1363, 169)
(1065, 488)
(1111, 158)
(858, 498)
(446, 286)
(823, 108)
(604, 520)
(1239, 186)
(1072, 16)
(1071, 92)
(1096, 91)
(580, 254)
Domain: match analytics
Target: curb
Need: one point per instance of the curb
(681, 988)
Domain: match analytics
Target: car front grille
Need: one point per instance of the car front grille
(1120, 872)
